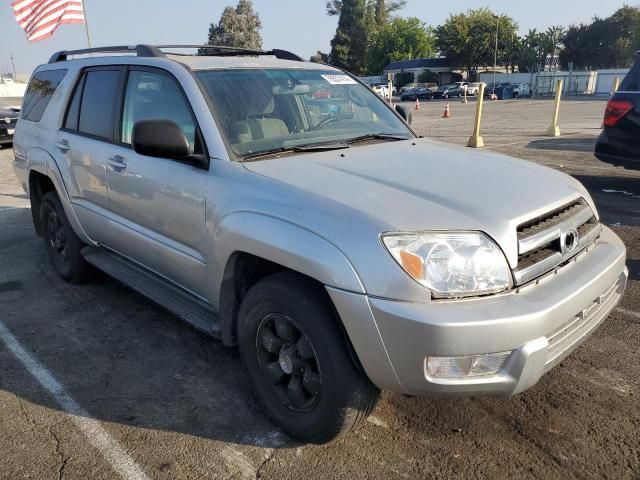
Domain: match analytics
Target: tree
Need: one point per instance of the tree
(320, 57)
(402, 78)
(605, 42)
(382, 9)
(349, 46)
(468, 39)
(427, 76)
(238, 27)
(400, 39)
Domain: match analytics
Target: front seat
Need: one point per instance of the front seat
(261, 126)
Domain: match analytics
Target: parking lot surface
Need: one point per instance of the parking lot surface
(96, 381)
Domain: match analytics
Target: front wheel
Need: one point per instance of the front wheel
(298, 360)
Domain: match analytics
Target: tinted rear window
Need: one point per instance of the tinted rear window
(631, 83)
(41, 89)
(99, 99)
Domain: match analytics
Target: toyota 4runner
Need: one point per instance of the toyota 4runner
(283, 207)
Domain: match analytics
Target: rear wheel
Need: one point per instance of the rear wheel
(61, 242)
(298, 360)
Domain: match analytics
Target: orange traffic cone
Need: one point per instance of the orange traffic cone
(417, 104)
(447, 111)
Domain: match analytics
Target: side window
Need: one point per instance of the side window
(39, 93)
(151, 95)
(99, 99)
(73, 113)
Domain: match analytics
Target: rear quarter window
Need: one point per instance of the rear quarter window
(41, 88)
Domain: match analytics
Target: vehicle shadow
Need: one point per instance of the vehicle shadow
(617, 198)
(581, 144)
(122, 358)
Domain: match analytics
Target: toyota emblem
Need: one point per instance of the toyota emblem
(569, 241)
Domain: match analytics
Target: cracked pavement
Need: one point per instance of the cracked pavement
(180, 405)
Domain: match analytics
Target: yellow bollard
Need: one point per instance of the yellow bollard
(616, 86)
(476, 140)
(554, 130)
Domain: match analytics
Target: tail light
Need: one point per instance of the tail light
(616, 110)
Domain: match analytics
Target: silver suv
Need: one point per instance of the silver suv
(283, 207)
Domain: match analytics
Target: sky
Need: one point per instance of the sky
(301, 26)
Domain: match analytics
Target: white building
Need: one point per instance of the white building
(439, 66)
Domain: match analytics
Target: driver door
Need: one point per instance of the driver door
(158, 204)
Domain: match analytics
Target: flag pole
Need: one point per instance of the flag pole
(86, 23)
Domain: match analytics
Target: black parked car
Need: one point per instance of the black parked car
(448, 91)
(421, 93)
(503, 90)
(8, 119)
(619, 142)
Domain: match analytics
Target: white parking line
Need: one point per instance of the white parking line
(110, 449)
(631, 313)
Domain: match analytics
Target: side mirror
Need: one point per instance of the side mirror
(160, 138)
(405, 113)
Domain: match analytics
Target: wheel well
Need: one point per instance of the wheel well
(242, 272)
(39, 185)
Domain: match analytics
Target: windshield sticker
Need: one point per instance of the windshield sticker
(339, 79)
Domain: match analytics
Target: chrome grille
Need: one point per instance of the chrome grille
(543, 243)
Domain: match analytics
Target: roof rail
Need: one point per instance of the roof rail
(223, 50)
(139, 50)
(155, 51)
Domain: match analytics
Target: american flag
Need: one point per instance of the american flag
(40, 18)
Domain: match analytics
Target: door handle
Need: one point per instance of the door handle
(63, 145)
(117, 163)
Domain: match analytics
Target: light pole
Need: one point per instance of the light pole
(495, 55)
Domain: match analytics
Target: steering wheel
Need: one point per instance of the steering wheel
(325, 122)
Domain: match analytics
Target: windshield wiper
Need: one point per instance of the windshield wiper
(378, 136)
(314, 147)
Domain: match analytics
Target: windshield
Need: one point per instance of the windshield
(260, 111)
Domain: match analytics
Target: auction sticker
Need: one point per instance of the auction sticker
(339, 79)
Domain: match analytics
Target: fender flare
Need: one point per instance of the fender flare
(281, 242)
(38, 160)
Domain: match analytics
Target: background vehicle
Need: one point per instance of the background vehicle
(503, 90)
(448, 91)
(8, 120)
(411, 86)
(421, 93)
(382, 90)
(474, 88)
(619, 142)
(521, 90)
(183, 176)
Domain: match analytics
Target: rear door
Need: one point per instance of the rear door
(85, 143)
(158, 204)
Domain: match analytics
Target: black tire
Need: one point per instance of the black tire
(61, 242)
(344, 396)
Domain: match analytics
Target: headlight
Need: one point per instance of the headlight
(451, 264)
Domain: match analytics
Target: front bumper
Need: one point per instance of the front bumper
(6, 133)
(541, 323)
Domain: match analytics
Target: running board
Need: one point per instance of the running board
(188, 307)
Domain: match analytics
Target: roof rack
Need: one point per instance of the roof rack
(155, 51)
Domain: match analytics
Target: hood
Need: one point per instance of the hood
(424, 185)
(8, 113)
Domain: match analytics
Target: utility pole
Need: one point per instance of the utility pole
(495, 55)
(13, 65)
